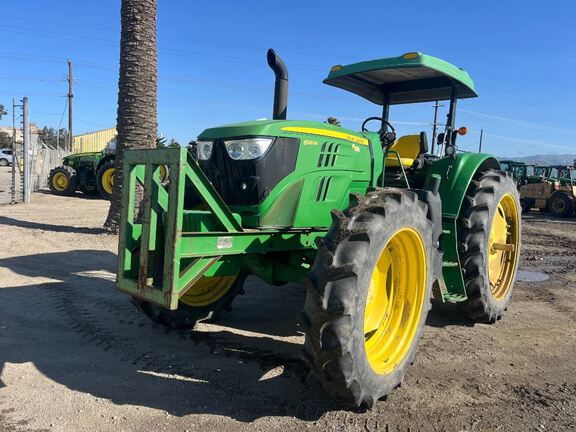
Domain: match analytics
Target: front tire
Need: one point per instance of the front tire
(3, 162)
(203, 302)
(369, 295)
(561, 205)
(63, 180)
(489, 243)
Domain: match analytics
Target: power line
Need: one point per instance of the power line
(24, 78)
(521, 123)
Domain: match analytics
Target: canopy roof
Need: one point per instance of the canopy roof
(413, 77)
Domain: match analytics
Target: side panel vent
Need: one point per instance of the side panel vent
(323, 187)
(328, 154)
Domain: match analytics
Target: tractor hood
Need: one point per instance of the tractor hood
(284, 128)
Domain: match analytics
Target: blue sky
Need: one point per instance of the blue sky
(212, 66)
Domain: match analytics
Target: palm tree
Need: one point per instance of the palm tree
(137, 91)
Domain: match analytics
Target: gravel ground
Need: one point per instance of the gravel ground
(75, 355)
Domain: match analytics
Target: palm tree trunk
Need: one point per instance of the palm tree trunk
(137, 91)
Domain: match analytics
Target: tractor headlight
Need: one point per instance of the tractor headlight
(450, 150)
(248, 148)
(204, 149)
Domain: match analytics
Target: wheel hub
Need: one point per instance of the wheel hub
(60, 181)
(503, 247)
(558, 205)
(108, 180)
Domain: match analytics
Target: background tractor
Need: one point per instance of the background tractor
(373, 224)
(519, 170)
(555, 192)
(91, 173)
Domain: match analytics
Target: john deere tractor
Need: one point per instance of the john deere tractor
(372, 223)
(91, 173)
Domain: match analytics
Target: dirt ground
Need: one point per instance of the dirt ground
(75, 355)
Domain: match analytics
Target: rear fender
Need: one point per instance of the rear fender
(104, 160)
(455, 177)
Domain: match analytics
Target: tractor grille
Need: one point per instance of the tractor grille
(249, 182)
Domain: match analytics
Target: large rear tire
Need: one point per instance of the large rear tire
(369, 295)
(105, 179)
(203, 302)
(489, 244)
(561, 204)
(62, 180)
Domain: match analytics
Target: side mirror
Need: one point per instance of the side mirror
(440, 139)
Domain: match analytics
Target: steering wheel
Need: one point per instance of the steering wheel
(387, 138)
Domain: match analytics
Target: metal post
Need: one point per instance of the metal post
(385, 112)
(14, 159)
(480, 144)
(451, 118)
(70, 96)
(435, 125)
(26, 135)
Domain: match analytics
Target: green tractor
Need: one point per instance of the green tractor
(91, 173)
(519, 170)
(525, 173)
(372, 223)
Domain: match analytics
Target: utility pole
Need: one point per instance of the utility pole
(14, 158)
(26, 135)
(435, 125)
(480, 144)
(70, 96)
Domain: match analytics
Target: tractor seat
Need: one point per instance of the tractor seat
(409, 147)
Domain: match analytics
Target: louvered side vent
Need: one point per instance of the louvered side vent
(328, 154)
(323, 187)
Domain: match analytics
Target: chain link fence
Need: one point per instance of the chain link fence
(42, 160)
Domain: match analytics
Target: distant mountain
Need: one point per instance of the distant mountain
(553, 159)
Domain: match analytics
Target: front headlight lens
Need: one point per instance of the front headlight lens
(248, 148)
(204, 149)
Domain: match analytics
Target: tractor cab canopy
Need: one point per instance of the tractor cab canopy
(411, 78)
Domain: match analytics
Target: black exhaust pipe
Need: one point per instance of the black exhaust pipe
(280, 85)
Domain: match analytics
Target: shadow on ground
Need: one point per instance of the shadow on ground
(84, 334)
(4, 220)
(77, 194)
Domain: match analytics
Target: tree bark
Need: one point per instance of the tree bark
(137, 91)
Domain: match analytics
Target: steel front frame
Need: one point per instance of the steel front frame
(155, 232)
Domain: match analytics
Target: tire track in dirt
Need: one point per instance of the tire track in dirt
(104, 322)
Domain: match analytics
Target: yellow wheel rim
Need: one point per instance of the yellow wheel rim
(108, 180)
(207, 290)
(60, 181)
(163, 173)
(503, 247)
(395, 301)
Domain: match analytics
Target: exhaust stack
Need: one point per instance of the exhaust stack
(280, 85)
